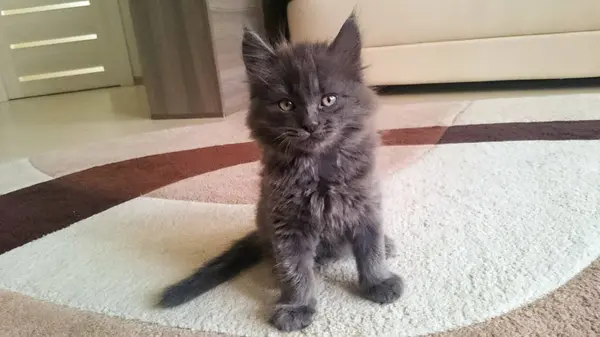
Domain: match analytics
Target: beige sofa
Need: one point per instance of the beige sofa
(441, 41)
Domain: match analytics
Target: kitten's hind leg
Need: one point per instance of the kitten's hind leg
(294, 262)
(377, 283)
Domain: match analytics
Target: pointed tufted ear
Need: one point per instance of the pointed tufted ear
(257, 54)
(347, 44)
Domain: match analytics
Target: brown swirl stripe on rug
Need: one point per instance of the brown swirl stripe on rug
(35, 211)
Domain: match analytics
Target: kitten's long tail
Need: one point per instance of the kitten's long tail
(243, 254)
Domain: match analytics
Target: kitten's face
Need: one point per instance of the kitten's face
(304, 96)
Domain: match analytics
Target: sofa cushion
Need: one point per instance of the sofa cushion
(397, 22)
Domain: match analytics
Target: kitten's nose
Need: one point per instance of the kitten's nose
(310, 125)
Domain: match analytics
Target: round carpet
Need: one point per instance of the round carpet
(493, 205)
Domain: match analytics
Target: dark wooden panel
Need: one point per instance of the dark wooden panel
(275, 19)
(176, 53)
(227, 30)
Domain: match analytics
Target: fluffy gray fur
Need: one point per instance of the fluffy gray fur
(312, 115)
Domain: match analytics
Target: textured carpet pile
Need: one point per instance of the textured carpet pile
(493, 204)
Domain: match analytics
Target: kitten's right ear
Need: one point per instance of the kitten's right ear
(257, 54)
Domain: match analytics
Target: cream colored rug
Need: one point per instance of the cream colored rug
(493, 205)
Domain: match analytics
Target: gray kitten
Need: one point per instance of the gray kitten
(312, 115)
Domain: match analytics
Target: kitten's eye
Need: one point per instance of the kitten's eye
(328, 100)
(285, 105)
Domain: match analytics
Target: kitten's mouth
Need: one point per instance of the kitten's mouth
(315, 136)
(305, 140)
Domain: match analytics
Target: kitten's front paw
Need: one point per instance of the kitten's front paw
(387, 291)
(292, 317)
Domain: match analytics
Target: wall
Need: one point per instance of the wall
(3, 95)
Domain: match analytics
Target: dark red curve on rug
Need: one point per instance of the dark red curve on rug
(32, 212)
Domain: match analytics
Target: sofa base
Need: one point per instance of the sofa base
(548, 56)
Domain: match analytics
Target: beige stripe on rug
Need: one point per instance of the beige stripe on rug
(573, 310)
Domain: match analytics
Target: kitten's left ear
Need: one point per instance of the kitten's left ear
(347, 43)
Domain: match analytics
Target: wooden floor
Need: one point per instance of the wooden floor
(39, 124)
